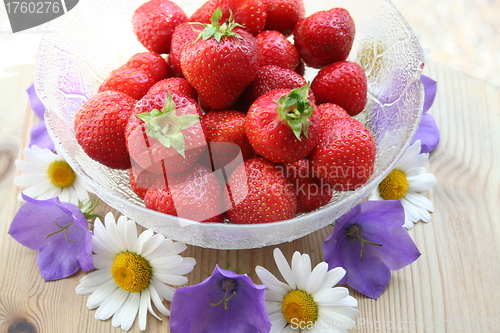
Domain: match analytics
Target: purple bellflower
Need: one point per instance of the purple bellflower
(59, 231)
(224, 302)
(428, 131)
(368, 242)
(39, 135)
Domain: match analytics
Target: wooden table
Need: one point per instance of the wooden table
(453, 287)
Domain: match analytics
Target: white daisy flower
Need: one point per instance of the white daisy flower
(132, 271)
(405, 183)
(308, 301)
(48, 175)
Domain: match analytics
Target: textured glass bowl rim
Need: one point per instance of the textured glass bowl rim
(272, 227)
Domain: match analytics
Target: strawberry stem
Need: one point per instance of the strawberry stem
(215, 29)
(165, 126)
(296, 109)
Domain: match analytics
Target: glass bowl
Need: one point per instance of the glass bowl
(84, 45)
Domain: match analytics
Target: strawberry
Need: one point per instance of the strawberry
(343, 83)
(225, 131)
(137, 75)
(329, 113)
(269, 78)
(301, 68)
(221, 63)
(282, 15)
(154, 22)
(194, 194)
(324, 37)
(345, 155)
(100, 128)
(172, 71)
(164, 134)
(177, 85)
(181, 37)
(151, 63)
(144, 180)
(259, 192)
(276, 49)
(282, 125)
(313, 192)
(134, 82)
(251, 14)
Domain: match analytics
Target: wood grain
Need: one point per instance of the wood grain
(452, 287)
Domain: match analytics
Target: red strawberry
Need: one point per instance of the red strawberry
(259, 192)
(155, 21)
(177, 85)
(205, 12)
(134, 82)
(144, 180)
(172, 71)
(329, 113)
(152, 63)
(137, 75)
(221, 64)
(225, 131)
(182, 36)
(100, 128)
(164, 134)
(282, 15)
(194, 194)
(313, 192)
(301, 68)
(345, 155)
(276, 49)
(251, 14)
(343, 83)
(283, 125)
(270, 78)
(324, 37)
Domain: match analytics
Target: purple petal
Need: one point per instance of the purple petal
(85, 254)
(35, 219)
(191, 310)
(430, 89)
(60, 257)
(398, 249)
(40, 137)
(381, 222)
(61, 253)
(35, 102)
(427, 133)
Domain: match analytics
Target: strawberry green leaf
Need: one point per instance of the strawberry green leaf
(296, 109)
(216, 30)
(165, 126)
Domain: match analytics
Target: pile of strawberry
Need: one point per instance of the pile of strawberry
(216, 122)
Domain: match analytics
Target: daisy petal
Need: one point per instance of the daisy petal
(284, 268)
(271, 281)
(158, 302)
(317, 277)
(421, 182)
(111, 304)
(125, 316)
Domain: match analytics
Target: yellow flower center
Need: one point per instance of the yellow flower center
(299, 308)
(394, 186)
(61, 174)
(131, 272)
